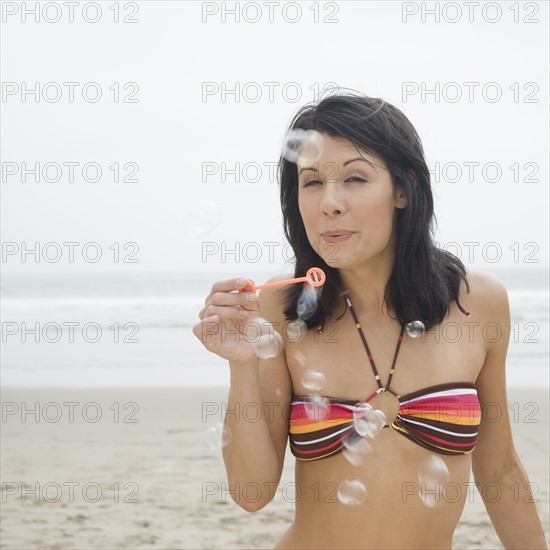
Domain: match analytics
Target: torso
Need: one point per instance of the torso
(392, 514)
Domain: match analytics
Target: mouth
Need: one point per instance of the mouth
(337, 235)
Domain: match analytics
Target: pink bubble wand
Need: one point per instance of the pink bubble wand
(314, 276)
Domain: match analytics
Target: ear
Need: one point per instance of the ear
(400, 198)
(400, 195)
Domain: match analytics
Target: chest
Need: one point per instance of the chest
(336, 359)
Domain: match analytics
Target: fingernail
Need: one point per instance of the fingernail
(241, 282)
(210, 319)
(251, 296)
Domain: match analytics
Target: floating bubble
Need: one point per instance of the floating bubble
(217, 436)
(300, 358)
(268, 345)
(204, 217)
(432, 476)
(302, 146)
(266, 341)
(378, 420)
(415, 329)
(368, 421)
(295, 330)
(313, 380)
(307, 303)
(311, 149)
(360, 418)
(351, 492)
(317, 409)
(356, 449)
(362, 410)
(292, 143)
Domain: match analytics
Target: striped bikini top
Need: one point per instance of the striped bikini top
(443, 419)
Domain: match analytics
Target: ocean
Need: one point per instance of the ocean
(111, 330)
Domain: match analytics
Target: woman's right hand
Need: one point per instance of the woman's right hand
(227, 310)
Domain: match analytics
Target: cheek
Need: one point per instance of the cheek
(305, 211)
(378, 218)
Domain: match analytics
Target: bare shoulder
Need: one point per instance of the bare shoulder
(487, 294)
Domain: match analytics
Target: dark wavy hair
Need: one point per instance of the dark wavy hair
(425, 279)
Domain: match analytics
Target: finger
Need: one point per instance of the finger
(209, 309)
(246, 304)
(211, 319)
(236, 313)
(244, 299)
(229, 285)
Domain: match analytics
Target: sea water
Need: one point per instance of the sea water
(121, 330)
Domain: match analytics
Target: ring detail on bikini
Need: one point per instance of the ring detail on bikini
(444, 418)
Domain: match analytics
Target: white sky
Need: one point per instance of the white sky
(173, 130)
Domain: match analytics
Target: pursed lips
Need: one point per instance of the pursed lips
(337, 235)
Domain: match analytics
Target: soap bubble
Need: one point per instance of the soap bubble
(356, 449)
(377, 420)
(313, 380)
(415, 329)
(302, 146)
(265, 340)
(432, 476)
(362, 410)
(268, 345)
(351, 492)
(202, 219)
(368, 421)
(217, 436)
(300, 358)
(307, 303)
(317, 409)
(292, 143)
(295, 330)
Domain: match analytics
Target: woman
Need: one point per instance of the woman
(362, 210)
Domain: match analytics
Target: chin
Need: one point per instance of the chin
(338, 262)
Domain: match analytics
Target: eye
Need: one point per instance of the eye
(311, 182)
(356, 179)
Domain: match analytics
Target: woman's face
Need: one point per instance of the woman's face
(347, 202)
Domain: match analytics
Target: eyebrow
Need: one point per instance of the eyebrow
(300, 170)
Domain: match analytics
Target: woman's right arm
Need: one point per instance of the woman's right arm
(257, 415)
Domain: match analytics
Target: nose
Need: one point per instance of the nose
(332, 202)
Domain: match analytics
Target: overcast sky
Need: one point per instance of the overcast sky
(164, 121)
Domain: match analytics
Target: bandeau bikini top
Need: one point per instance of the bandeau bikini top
(443, 419)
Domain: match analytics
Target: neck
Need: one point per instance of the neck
(366, 289)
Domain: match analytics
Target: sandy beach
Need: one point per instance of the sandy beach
(133, 468)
